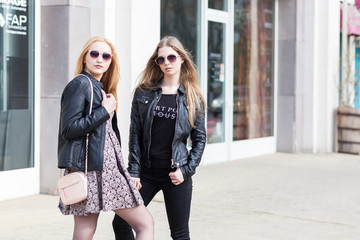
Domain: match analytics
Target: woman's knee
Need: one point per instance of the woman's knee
(138, 218)
(147, 222)
(151, 221)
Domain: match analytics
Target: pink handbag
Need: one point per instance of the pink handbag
(73, 187)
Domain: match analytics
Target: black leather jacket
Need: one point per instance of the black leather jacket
(75, 123)
(143, 105)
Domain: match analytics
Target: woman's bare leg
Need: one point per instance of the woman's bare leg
(85, 226)
(140, 219)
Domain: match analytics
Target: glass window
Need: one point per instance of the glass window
(218, 4)
(216, 83)
(181, 18)
(253, 112)
(16, 84)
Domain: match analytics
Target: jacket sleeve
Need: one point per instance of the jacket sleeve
(135, 139)
(198, 142)
(74, 119)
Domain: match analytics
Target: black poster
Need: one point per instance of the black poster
(16, 83)
(14, 54)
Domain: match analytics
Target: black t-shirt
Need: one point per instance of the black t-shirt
(163, 130)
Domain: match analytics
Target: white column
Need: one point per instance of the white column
(137, 32)
(333, 50)
(327, 74)
(316, 74)
(304, 87)
(97, 18)
(110, 20)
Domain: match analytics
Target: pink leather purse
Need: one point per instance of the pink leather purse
(73, 187)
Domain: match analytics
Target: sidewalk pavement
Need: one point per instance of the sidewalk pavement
(272, 197)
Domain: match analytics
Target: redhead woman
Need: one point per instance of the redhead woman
(110, 187)
(167, 110)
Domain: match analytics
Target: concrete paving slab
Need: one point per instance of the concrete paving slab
(273, 197)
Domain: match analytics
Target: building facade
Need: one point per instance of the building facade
(269, 70)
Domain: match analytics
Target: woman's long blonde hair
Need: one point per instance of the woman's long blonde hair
(188, 77)
(110, 78)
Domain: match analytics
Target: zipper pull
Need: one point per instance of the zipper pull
(172, 163)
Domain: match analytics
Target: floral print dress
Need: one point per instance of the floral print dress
(109, 189)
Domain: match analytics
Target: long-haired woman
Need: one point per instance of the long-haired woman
(167, 109)
(110, 186)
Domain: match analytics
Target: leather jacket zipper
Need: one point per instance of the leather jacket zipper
(152, 120)
(172, 144)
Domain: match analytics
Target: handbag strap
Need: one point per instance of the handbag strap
(87, 135)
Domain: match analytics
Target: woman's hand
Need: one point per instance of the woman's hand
(137, 182)
(108, 102)
(176, 177)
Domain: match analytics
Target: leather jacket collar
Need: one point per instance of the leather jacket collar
(94, 80)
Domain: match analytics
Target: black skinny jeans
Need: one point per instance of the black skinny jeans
(177, 202)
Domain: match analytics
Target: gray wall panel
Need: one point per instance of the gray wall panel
(65, 28)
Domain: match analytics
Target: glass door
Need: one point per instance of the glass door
(216, 60)
(216, 83)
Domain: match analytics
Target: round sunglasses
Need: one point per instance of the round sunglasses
(95, 54)
(171, 58)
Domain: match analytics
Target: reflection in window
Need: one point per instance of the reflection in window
(181, 18)
(16, 85)
(216, 83)
(253, 69)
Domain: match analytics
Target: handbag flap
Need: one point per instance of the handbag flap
(70, 180)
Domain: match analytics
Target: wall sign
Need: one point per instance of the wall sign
(14, 16)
